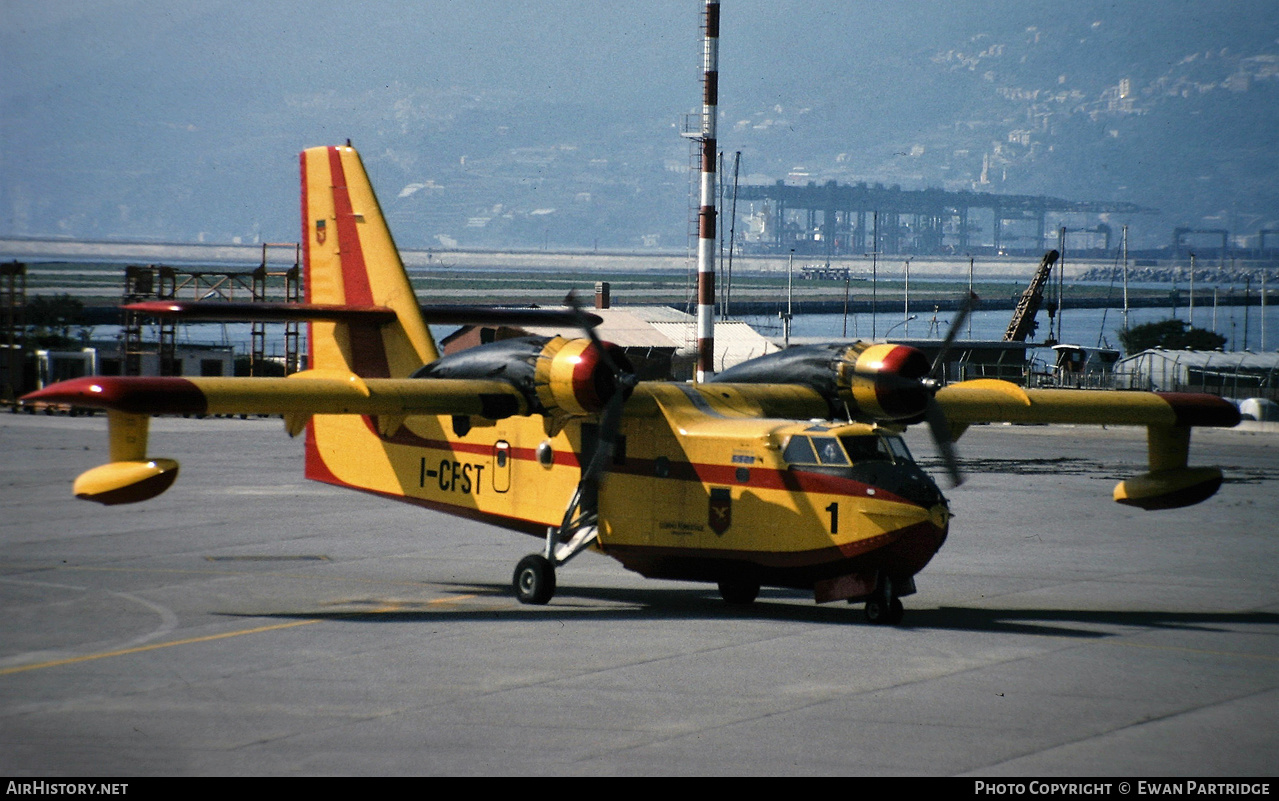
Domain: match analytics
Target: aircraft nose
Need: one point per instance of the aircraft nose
(940, 515)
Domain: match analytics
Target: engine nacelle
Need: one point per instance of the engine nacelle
(573, 378)
(876, 382)
(886, 381)
(557, 376)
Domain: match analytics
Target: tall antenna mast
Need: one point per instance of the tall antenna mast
(1125, 278)
(706, 215)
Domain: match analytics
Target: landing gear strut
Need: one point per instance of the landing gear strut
(884, 608)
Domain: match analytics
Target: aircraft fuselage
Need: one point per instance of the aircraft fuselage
(700, 487)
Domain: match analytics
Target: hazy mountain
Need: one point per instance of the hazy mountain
(498, 124)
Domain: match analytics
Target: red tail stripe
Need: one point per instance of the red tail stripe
(355, 278)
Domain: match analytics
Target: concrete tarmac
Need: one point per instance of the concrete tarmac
(249, 622)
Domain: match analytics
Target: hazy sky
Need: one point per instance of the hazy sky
(147, 86)
(194, 63)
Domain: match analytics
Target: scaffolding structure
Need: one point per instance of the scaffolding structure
(291, 280)
(152, 282)
(13, 327)
(163, 282)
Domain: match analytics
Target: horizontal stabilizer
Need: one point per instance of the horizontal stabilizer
(219, 311)
(497, 315)
(263, 312)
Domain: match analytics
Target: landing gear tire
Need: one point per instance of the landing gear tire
(739, 591)
(883, 613)
(534, 580)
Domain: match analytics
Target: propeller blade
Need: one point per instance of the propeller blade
(626, 381)
(609, 424)
(584, 322)
(965, 309)
(939, 427)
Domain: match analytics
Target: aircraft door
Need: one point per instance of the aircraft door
(674, 509)
(501, 466)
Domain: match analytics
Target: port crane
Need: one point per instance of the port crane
(1023, 322)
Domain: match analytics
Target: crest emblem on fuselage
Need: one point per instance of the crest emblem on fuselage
(719, 516)
(320, 231)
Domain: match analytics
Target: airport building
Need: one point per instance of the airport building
(1232, 374)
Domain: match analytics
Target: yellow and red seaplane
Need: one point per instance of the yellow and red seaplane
(788, 470)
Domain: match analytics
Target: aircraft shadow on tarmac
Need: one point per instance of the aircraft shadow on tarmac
(626, 604)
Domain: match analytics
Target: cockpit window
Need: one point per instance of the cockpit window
(828, 450)
(799, 451)
(839, 450)
(898, 447)
(868, 447)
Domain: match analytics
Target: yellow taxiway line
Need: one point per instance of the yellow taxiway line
(208, 638)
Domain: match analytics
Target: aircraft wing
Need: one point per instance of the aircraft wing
(988, 401)
(133, 476)
(1167, 416)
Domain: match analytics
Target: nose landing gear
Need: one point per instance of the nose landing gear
(884, 608)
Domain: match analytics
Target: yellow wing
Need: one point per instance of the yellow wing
(1167, 416)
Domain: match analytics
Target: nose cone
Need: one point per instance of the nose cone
(916, 544)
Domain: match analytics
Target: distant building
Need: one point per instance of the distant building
(1233, 374)
(661, 342)
(191, 360)
(53, 366)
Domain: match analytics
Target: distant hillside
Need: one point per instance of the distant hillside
(500, 127)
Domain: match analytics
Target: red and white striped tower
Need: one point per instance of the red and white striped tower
(706, 215)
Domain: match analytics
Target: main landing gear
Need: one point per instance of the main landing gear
(534, 579)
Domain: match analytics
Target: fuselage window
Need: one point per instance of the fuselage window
(873, 448)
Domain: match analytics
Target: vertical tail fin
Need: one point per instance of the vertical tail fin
(351, 259)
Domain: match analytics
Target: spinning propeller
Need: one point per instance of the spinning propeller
(938, 426)
(582, 512)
